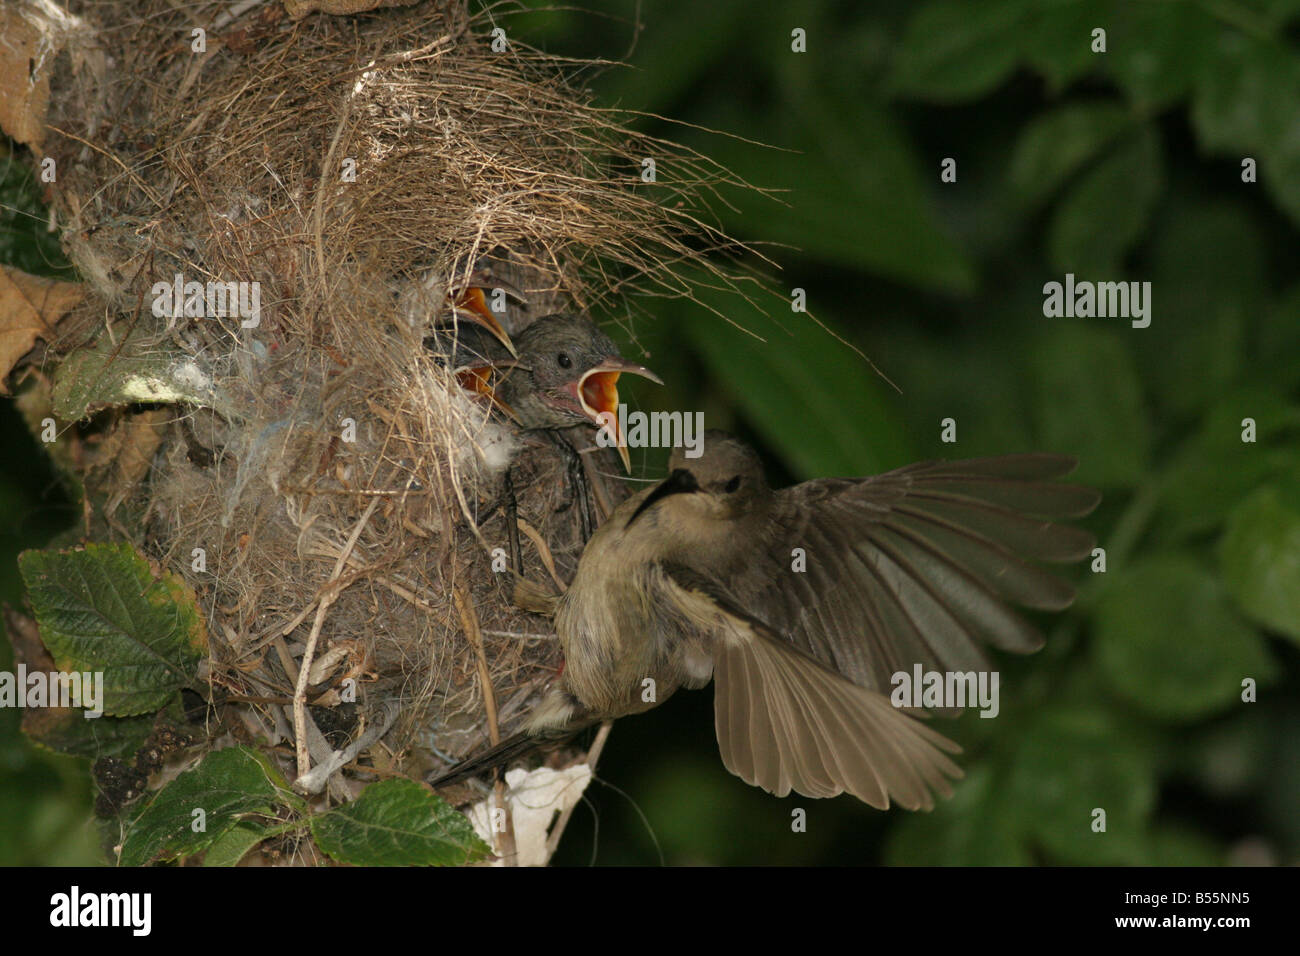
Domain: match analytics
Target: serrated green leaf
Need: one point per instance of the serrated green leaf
(227, 786)
(1057, 144)
(1071, 762)
(1105, 211)
(233, 845)
(1260, 558)
(1167, 640)
(1087, 402)
(67, 730)
(953, 51)
(101, 610)
(398, 823)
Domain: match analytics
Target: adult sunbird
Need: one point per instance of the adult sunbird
(694, 579)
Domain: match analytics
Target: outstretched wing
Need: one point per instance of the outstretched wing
(787, 722)
(918, 565)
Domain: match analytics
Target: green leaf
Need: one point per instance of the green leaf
(1105, 212)
(1248, 104)
(102, 610)
(1057, 144)
(967, 376)
(977, 827)
(1213, 470)
(817, 402)
(1272, 13)
(1175, 845)
(1167, 640)
(398, 823)
(853, 193)
(233, 845)
(1280, 163)
(1155, 51)
(1058, 39)
(1232, 757)
(25, 241)
(700, 813)
(1087, 402)
(1277, 341)
(1205, 295)
(953, 51)
(674, 51)
(227, 786)
(68, 731)
(131, 369)
(1071, 762)
(1260, 558)
(1229, 108)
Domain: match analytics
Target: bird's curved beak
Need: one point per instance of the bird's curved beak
(478, 379)
(597, 393)
(472, 304)
(679, 482)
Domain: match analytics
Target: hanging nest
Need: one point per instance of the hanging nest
(314, 472)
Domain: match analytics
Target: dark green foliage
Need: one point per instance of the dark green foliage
(1123, 165)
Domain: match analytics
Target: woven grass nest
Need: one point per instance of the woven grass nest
(317, 477)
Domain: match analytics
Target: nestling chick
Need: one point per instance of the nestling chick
(567, 375)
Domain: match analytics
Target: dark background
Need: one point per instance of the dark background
(1123, 165)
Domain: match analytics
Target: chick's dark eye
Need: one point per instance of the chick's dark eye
(563, 360)
(732, 485)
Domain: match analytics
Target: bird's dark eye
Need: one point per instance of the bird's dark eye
(563, 360)
(732, 485)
